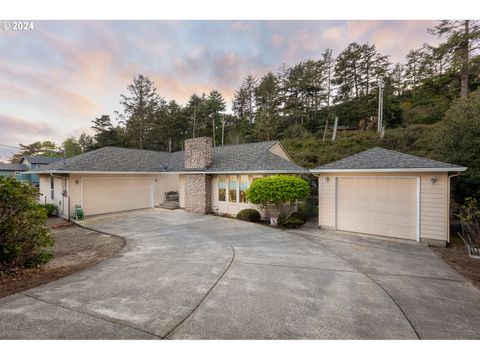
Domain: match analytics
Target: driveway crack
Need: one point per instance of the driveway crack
(369, 277)
(202, 300)
(92, 315)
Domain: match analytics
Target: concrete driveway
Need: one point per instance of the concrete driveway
(186, 276)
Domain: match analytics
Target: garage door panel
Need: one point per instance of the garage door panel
(379, 206)
(110, 195)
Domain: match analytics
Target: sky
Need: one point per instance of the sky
(59, 76)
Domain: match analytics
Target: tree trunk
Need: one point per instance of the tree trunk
(465, 62)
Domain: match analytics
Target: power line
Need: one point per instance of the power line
(10, 146)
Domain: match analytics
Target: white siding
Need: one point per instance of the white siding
(278, 150)
(434, 200)
(326, 201)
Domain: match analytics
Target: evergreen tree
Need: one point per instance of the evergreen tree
(215, 105)
(463, 39)
(140, 109)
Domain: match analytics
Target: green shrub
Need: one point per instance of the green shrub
(277, 190)
(251, 215)
(51, 209)
(294, 221)
(305, 211)
(24, 237)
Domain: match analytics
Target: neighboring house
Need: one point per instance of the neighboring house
(207, 179)
(12, 170)
(387, 193)
(31, 163)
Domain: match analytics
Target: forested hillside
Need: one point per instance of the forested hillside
(295, 103)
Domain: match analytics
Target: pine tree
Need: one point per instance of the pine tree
(463, 39)
(140, 109)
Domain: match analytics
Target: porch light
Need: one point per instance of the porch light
(327, 179)
(433, 179)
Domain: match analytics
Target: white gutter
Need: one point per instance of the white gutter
(175, 172)
(318, 171)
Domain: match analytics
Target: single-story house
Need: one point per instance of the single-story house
(387, 193)
(207, 179)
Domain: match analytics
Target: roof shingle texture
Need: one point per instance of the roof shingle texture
(13, 167)
(245, 157)
(379, 158)
(40, 159)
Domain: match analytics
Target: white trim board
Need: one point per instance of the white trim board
(318, 171)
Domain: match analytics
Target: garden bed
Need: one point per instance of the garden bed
(456, 256)
(75, 249)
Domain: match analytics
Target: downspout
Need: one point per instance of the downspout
(318, 196)
(448, 204)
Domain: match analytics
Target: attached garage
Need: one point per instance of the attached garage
(387, 193)
(386, 206)
(105, 195)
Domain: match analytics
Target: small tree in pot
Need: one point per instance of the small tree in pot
(278, 191)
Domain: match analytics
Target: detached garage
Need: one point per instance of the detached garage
(387, 193)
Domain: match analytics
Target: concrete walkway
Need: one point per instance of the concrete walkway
(186, 276)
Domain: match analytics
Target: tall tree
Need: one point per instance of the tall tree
(140, 108)
(71, 147)
(268, 103)
(215, 105)
(195, 110)
(463, 39)
(38, 148)
(86, 142)
(105, 133)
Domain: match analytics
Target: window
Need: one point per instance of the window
(222, 188)
(52, 187)
(243, 187)
(232, 188)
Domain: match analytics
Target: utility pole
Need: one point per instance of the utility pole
(381, 85)
(223, 128)
(170, 145)
(325, 131)
(334, 135)
(213, 127)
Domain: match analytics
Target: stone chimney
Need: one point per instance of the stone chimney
(198, 187)
(198, 153)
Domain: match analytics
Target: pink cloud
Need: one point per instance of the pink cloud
(277, 40)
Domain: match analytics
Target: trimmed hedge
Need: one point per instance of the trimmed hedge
(251, 215)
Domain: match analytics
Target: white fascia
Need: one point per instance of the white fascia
(318, 171)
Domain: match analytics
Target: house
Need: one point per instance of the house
(26, 163)
(207, 179)
(387, 193)
(12, 170)
(34, 162)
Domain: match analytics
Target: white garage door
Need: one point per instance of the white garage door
(379, 206)
(101, 196)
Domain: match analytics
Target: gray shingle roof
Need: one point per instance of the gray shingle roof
(233, 158)
(40, 159)
(13, 167)
(379, 158)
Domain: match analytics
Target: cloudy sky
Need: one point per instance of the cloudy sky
(56, 78)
